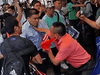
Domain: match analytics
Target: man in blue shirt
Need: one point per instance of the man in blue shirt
(36, 37)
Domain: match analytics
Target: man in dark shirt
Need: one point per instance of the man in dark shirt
(18, 44)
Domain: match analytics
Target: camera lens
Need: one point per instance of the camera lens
(81, 12)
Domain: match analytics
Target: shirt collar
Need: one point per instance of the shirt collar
(61, 39)
(28, 24)
(57, 10)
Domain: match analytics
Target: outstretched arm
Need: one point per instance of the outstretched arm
(90, 22)
(78, 5)
(18, 9)
(41, 29)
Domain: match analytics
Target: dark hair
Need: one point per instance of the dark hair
(36, 2)
(11, 7)
(56, 0)
(10, 23)
(69, 1)
(7, 15)
(59, 28)
(31, 11)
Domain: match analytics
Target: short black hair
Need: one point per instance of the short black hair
(59, 28)
(11, 7)
(10, 23)
(31, 11)
(56, 0)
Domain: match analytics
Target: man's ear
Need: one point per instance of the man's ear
(15, 28)
(56, 35)
(28, 18)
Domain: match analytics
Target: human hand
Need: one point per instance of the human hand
(47, 51)
(82, 17)
(15, 3)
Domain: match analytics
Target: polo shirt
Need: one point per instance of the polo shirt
(71, 51)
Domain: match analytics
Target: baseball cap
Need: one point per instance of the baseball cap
(49, 4)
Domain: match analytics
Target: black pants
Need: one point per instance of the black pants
(42, 67)
(85, 69)
(56, 69)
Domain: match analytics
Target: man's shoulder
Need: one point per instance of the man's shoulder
(42, 24)
(66, 39)
(17, 39)
(25, 25)
(45, 17)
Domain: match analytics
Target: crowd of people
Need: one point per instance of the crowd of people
(24, 24)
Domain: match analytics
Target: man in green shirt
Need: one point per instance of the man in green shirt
(73, 8)
(50, 17)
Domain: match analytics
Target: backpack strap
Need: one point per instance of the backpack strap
(57, 16)
(91, 7)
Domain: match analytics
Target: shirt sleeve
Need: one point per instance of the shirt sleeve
(70, 5)
(98, 21)
(44, 25)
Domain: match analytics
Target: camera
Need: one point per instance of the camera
(81, 11)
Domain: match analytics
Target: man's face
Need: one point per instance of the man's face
(50, 10)
(64, 3)
(34, 19)
(58, 5)
(7, 6)
(10, 11)
(37, 6)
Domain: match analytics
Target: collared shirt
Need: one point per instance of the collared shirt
(35, 36)
(71, 50)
